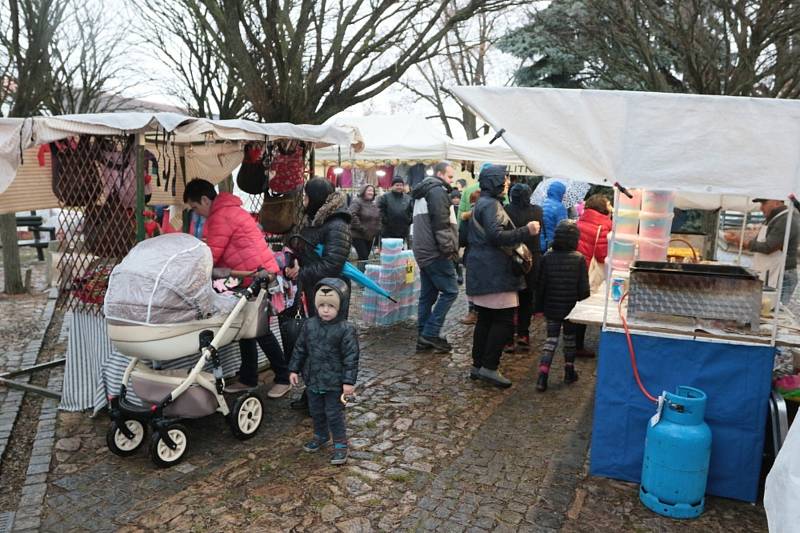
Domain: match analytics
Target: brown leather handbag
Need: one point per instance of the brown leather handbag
(279, 212)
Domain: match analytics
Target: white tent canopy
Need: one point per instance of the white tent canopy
(17, 134)
(689, 143)
(387, 138)
(479, 149)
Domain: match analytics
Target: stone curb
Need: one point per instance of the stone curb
(9, 409)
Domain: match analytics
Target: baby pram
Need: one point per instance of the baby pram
(160, 306)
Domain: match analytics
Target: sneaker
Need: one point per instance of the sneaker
(437, 343)
(475, 372)
(279, 390)
(238, 386)
(340, 453)
(508, 348)
(314, 445)
(583, 352)
(524, 342)
(470, 319)
(421, 346)
(570, 376)
(494, 377)
(541, 383)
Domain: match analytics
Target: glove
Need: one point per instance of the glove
(220, 272)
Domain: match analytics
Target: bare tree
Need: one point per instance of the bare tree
(89, 71)
(27, 31)
(202, 80)
(306, 60)
(464, 60)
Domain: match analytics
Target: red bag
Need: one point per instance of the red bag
(288, 168)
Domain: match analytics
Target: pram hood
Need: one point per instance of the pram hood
(165, 280)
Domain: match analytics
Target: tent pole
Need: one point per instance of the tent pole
(610, 258)
(741, 234)
(779, 288)
(140, 235)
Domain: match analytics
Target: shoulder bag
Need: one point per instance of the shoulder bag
(521, 256)
(597, 274)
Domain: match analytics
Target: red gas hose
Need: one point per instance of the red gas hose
(632, 353)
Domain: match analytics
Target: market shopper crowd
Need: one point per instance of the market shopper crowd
(521, 261)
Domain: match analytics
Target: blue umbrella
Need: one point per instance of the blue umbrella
(356, 276)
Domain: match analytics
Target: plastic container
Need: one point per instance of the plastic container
(627, 222)
(658, 201)
(631, 204)
(677, 453)
(653, 249)
(622, 252)
(655, 225)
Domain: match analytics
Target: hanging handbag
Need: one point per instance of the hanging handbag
(520, 254)
(252, 176)
(279, 212)
(290, 322)
(597, 274)
(288, 166)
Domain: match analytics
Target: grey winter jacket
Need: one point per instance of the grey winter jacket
(776, 228)
(326, 353)
(435, 225)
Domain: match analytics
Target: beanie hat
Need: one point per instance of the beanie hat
(327, 295)
(317, 190)
(398, 179)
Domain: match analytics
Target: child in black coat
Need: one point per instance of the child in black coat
(326, 354)
(562, 281)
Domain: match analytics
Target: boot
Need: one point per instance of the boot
(541, 383)
(475, 372)
(470, 319)
(570, 376)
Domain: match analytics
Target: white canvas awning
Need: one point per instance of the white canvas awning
(689, 143)
(17, 135)
(480, 150)
(388, 138)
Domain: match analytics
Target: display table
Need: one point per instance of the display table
(732, 368)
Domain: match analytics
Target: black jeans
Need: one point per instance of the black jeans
(327, 413)
(524, 312)
(248, 371)
(493, 331)
(363, 248)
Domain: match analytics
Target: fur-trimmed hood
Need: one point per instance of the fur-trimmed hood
(335, 205)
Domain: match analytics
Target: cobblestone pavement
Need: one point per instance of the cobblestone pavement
(430, 450)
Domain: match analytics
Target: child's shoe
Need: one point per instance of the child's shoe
(509, 348)
(541, 383)
(340, 453)
(570, 376)
(314, 444)
(523, 342)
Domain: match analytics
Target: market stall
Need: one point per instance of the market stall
(718, 151)
(102, 171)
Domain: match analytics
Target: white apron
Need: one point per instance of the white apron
(769, 266)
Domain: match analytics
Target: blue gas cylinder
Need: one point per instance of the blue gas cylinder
(677, 451)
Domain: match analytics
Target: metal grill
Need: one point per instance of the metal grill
(95, 180)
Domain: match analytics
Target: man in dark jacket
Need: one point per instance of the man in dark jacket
(435, 248)
(395, 207)
(562, 281)
(326, 354)
(520, 211)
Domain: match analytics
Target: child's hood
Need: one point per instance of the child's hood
(566, 236)
(343, 290)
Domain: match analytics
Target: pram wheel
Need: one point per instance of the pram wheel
(246, 416)
(161, 453)
(119, 443)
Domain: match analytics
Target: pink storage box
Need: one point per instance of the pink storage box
(653, 249)
(658, 201)
(627, 222)
(655, 225)
(631, 204)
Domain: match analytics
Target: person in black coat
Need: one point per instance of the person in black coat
(326, 221)
(562, 281)
(521, 212)
(326, 354)
(491, 280)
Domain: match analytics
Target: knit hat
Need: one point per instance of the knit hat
(398, 179)
(317, 190)
(327, 295)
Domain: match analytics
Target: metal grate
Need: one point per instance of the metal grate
(94, 179)
(6, 521)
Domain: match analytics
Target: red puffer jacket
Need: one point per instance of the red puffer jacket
(587, 225)
(235, 240)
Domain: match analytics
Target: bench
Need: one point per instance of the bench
(34, 224)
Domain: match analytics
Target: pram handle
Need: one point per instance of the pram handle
(259, 274)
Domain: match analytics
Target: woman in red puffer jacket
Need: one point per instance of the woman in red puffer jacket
(596, 213)
(237, 243)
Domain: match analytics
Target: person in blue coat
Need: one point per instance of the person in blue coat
(554, 212)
